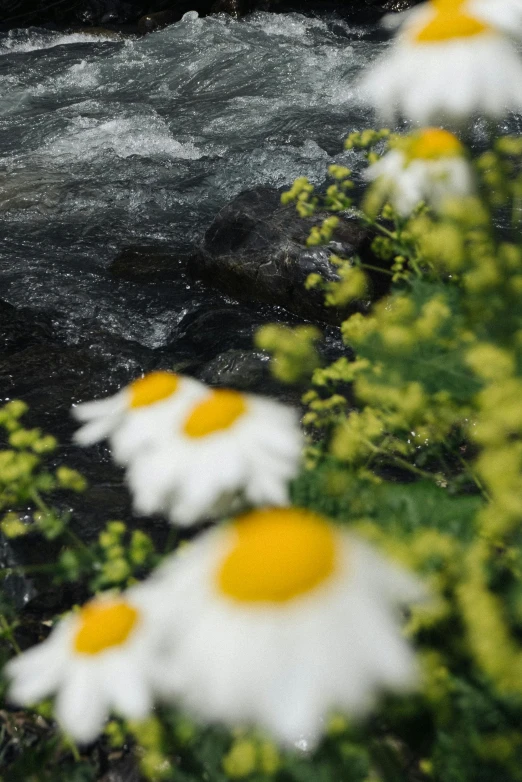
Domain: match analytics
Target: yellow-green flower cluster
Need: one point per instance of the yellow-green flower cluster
(24, 478)
(434, 393)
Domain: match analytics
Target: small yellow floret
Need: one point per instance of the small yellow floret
(153, 388)
(103, 624)
(434, 143)
(217, 412)
(450, 23)
(277, 554)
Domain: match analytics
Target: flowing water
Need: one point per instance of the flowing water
(106, 143)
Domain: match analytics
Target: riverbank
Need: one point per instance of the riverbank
(142, 16)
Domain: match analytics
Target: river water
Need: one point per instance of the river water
(108, 142)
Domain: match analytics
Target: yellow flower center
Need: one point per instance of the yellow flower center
(277, 554)
(450, 23)
(448, 5)
(153, 388)
(432, 144)
(104, 624)
(217, 412)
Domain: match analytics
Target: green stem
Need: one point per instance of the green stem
(39, 502)
(412, 468)
(383, 230)
(399, 461)
(44, 508)
(376, 269)
(474, 477)
(8, 632)
(68, 743)
(171, 539)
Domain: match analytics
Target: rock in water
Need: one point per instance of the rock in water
(255, 249)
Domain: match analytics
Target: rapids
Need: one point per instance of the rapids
(107, 142)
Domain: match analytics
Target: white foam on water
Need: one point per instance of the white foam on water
(291, 25)
(31, 40)
(141, 136)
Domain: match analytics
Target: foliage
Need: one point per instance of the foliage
(420, 446)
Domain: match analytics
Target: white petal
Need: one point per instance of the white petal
(267, 489)
(81, 706)
(87, 411)
(126, 687)
(36, 674)
(94, 431)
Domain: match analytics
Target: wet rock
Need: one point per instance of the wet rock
(19, 13)
(22, 328)
(235, 8)
(50, 375)
(18, 588)
(204, 332)
(394, 5)
(255, 249)
(149, 15)
(156, 21)
(246, 370)
(103, 32)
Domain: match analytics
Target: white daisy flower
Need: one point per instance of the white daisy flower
(428, 165)
(229, 445)
(447, 63)
(280, 617)
(95, 661)
(139, 415)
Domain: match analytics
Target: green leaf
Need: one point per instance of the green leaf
(400, 508)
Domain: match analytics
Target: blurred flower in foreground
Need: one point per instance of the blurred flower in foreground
(98, 659)
(505, 15)
(427, 165)
(138, 415)
(280, 617)
(447, 63)
(228, 444)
